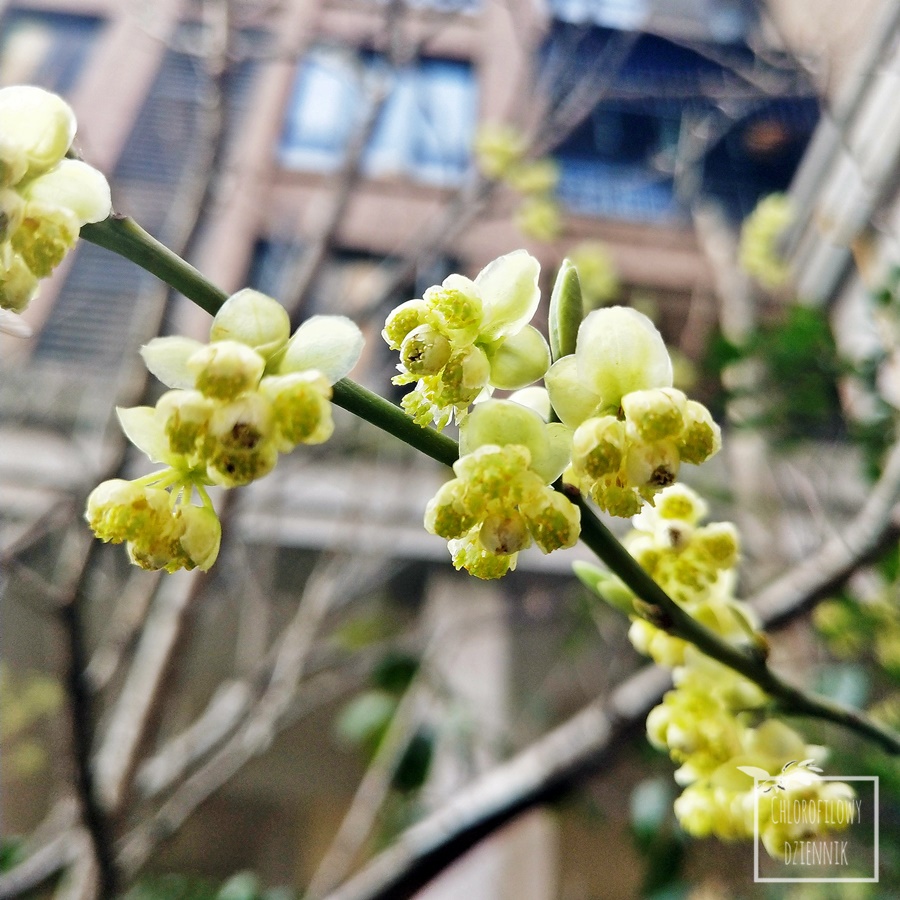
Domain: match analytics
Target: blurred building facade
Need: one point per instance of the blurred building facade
(321, 151)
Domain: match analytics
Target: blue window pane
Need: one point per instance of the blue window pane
(324, 107)
(46, 49)
(423, 132)
(445, 121)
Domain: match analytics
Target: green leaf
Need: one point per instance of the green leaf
(242, 886)
(363, 721)
(566, 311)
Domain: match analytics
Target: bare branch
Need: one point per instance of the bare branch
(327, 584)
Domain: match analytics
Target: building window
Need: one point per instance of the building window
(424, 130)
(47, 49)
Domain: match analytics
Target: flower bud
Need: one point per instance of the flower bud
(18, 284)
(701, 437)
(39, 123)
(463, 378)
(458, 307)
(504, 534)
(44, 236)
(424, 351)
(655, 414)
(652, 465)
(201, 537)
(241, 449)
(598, 447)
(402, 320)
(553, 520)
(254, 319)
(186, 415)
(226, 369)
(300, 408)
(520, 360)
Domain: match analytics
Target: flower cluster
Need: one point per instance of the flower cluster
(44, 197)
(501, 151)
(713, 723)
(693, 563)
(760, 233)
(632, 428)
(465, 337)
(500, 500)
(252, 392)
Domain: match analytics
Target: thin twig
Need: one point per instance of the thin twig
(323, 588)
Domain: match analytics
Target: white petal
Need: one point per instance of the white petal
(75, 186)
(39, 123)
(572, 402)
(535, 398)
(520, 360)
(167, 357)
(509, 290)
(620, 351)
(146, 430)
(11, 323)
(330, 344)
(550, 465)
(503, 422)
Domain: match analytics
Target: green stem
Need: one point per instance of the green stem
(390, 418)
(125, 237)
(749, 663)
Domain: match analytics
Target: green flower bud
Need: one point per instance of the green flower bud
(74, 186)
(537, 177)
(504, 534)
(226, 369)
(40, 124)
(701, 437)
(446, 514)
(13, 161)
(18, 284)
(403, 319)
(241, 448)
(462, 379)
(655, 414)
(119, 510)
(498, 147)
(186, 415)
(553, 520)
(652, 466)
(598, 447)
(680, 502)
(458, 307)
(520, 360)
(44, 236)
(254, 319)
(300, 407)
(467, 553)
(201, 537)
(425, 351)
(539, 218)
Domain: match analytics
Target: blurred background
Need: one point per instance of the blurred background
(271, 725)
